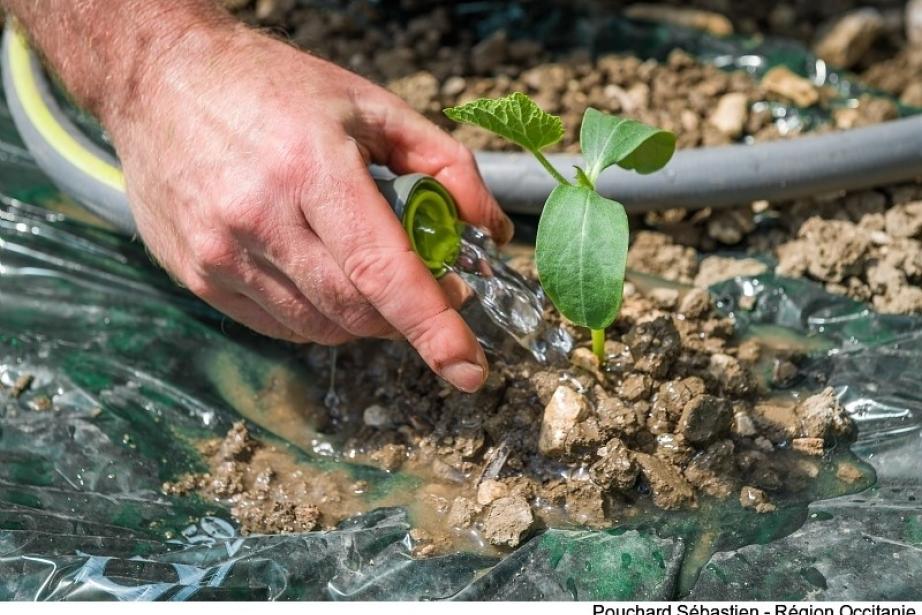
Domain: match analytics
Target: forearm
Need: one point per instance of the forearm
(106, 51)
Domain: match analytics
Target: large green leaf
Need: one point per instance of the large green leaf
(608, 139)
(581, 254)
(515, 117)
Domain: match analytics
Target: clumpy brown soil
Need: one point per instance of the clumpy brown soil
(268, 492)
(433, 59)
(675, 418)
(865, 244)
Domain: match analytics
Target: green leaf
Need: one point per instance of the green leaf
(608, 139)
(515, 117)
(581, 254)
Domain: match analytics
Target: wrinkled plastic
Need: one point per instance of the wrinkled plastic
(137, 371)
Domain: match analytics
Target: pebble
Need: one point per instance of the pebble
(491, 490)
(850, 37)
(731, 113)
(698, 19)
(704, 418)
(508, 521)
(562, 413)
(790, 86)
(756, 499)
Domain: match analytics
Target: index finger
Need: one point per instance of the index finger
(409, 143)
(364, 236)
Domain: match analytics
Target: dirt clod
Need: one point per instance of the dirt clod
(508, 521)
(756, 499)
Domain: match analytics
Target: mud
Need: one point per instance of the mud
(676, 417)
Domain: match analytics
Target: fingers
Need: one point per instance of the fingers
(296, 254)
(247, 312)
(373, 250)
(409, 143)
(277, 295)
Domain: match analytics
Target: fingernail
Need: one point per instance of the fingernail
(508, 229)
(466, 376)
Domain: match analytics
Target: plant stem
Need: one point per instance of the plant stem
(550, 168)
(598, 344)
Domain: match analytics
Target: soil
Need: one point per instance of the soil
(435, 58)
(675, 417)
(678, 415)
(267, 491)
(865, 244)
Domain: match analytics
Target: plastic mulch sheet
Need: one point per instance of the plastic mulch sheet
(139, 370)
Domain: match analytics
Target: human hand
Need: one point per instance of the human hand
(246, 167)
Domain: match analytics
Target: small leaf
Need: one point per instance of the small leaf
(515, 117)
(608, 139)
(582, 179)
(581, 254)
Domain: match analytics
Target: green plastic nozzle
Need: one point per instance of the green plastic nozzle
(430, 217)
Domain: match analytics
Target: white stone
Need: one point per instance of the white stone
(562, 413)
(729, 117)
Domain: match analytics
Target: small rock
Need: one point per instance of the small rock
(850, 37)
(273, 10)
(585, 359)
(730, 226)
(698, 19)
(490, 490)
(420, 90)
(783, 373)
(390, 456)
(696, 303)
(665, 298)
(848, 472)
(635, 387)
(756, 499)
(715, 269)
(615, 468)
(562, 413)
(21, 385)
(704, 419)
(743, 425)
(453, 86)
(670, 489)
(489, 53)
(782, 82)
(912, 95)
(808, 446)
(654, 345)
(914, 22)
(731, 377)
(508, 521)
(822, 416)
(585, 503)
(904, 220)
(730, 115)
(376, 415)
(462, 513)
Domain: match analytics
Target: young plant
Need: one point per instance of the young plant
(581, 250)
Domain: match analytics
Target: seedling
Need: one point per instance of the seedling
(581, 250)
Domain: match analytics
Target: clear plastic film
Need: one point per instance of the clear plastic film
(138, 370)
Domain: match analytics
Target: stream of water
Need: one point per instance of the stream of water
(513, 303)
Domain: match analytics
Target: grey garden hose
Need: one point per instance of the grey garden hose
(709, 177)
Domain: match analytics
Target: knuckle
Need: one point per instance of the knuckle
(371, 271)
(213, 252)
(202, 288)
(361, 319)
